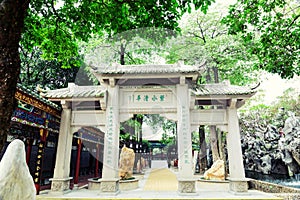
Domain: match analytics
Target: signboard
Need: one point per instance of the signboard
(147, 98)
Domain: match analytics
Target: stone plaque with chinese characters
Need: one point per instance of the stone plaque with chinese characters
(145, 98)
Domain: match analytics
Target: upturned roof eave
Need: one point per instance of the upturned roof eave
(223, 96)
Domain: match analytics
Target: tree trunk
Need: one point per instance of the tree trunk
(214, 143)
(12, 14)
(122, 54)
(202, 153)
(216, 74)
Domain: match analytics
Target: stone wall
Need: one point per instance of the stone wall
(284, 192)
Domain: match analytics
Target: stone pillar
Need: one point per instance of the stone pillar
(61, 180)
(110, 177)
(238, 182)
(186, 180)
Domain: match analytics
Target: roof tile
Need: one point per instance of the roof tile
(221, 89)
(148, 69)
(36, 95)
(76, 91)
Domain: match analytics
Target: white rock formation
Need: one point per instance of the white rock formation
(16, 183)
(126, 163)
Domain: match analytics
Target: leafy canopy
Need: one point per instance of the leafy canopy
(272, 29)
(205, 38)
(56, 26)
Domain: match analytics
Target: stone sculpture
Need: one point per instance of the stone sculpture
(16, 183)
(126, 163)
(216, 172)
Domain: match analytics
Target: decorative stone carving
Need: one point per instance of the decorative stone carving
(60, 185)
(186, 187)
(238, 186)
(216, 172)
(126, 163)
(15, 180)
(108, 186)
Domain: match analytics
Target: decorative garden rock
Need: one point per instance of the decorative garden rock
(216, 172)
(269, 149)
(15, 180)
(126, 163)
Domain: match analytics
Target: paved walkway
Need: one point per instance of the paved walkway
(162, 184)
(161, 180)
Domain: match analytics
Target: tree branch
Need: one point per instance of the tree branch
(201, 31)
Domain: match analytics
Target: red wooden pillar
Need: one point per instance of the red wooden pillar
(77, 167)
(97, 160)
(28, 150)
(39, 161)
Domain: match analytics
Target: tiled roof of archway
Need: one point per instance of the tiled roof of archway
(75, 91)
(222, 89)
(148, 69)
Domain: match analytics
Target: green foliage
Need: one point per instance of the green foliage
(204, 38)
(104, 50)
(156, 121)
(271, 30)
(48, 74)
(56, 27)
(167, 140)
(274, 114)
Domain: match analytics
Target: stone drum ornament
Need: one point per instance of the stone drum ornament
(16, 183)
(126, 163)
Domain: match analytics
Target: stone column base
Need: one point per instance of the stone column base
(60, 185)
(186, 187)
(109, 186)
(238, 185)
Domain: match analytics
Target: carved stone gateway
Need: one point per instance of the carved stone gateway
(169, 90)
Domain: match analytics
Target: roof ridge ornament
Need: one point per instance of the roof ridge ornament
(71, 87)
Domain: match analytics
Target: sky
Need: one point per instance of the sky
(274, 86)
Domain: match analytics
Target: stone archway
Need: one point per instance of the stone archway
(170, 90)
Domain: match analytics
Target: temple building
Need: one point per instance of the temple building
(36, 122)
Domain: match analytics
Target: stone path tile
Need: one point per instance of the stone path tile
(161, 180)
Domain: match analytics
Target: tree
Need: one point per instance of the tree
(36, 71)
(204, 37)
(137, 46)
(12, 14)
(56, 28)
(271, 30)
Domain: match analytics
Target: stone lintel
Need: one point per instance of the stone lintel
(187, 186)
(60, 186)
(109, 186)
(238, 186)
